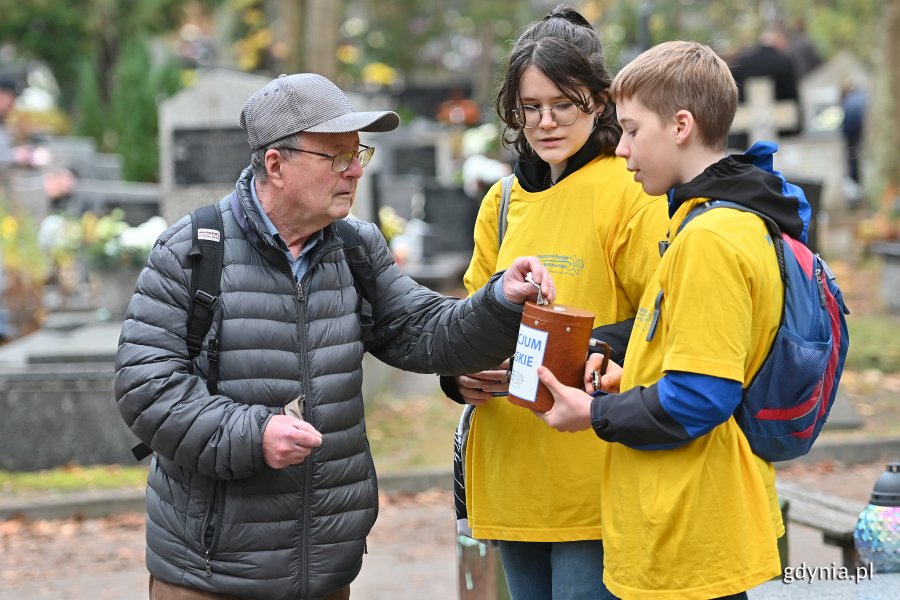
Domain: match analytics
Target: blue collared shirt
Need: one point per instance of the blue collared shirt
(300, 265)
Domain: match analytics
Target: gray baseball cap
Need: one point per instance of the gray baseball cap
(306, 102)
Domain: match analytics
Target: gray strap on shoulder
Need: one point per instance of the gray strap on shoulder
(506, 185)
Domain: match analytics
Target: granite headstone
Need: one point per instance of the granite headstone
(202, 146)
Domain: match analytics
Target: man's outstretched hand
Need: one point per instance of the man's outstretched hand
(517, 289)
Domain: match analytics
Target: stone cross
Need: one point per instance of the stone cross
(760, 116)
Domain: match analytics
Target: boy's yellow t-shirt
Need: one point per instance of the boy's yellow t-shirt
(597, 233)
(699, 521)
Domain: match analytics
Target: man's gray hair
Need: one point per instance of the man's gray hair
(258, 158)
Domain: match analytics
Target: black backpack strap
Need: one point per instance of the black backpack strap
(698, 210)
(506, 185)
(357, 256)
(771, 225)
(206, 255)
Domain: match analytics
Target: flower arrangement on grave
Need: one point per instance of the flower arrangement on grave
(19, 244)
(104, 252)
(109, 242)
(391, 223)
(104, 242)
(23, 267)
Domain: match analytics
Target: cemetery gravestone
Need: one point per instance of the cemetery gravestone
(58, 381)
(28, 193)
(415, 160)
(397, 192)
(890, 276)
(453, 213)
(98, 186)
(420, 149)
(138, 201)
(209, 155)
(820, 91)
(202, 147)
(425, 100)
(80, 155)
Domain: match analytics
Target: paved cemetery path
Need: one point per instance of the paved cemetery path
(411, 555)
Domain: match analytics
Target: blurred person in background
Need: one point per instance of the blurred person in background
(802, 50)
(853, 102)
(8, 94)
(768, 58)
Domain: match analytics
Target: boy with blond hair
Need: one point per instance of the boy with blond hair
(688, 511)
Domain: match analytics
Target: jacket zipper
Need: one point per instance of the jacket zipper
(307, 472)
(215, 499)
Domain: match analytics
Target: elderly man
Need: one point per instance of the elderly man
(266, 488)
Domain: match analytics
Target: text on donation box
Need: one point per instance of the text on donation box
(530, 348)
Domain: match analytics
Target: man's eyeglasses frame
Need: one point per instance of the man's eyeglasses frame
(364, 155)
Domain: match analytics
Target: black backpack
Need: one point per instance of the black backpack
(206, 255)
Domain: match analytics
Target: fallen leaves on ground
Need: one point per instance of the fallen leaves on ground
(57, 549)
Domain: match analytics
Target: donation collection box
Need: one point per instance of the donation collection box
(557, 337)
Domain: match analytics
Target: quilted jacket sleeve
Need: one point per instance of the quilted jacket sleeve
(420, 330)
(162, 398)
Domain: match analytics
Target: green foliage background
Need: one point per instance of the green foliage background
(98, 50)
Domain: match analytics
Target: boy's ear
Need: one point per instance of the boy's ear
(684, 126)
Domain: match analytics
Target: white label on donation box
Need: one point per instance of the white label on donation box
(523, 381)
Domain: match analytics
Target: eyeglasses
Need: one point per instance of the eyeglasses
(340, 162)
(562, 113)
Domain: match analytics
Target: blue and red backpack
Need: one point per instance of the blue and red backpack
(788, 400)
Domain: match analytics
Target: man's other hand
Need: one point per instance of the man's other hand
(288, 441)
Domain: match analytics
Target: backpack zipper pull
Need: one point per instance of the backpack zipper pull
(651, 331)
(208, 570)
(821, 286)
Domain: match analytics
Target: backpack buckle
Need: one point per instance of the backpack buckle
(205, 299)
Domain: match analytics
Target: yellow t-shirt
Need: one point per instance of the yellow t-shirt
(700, 521)
(597, 233)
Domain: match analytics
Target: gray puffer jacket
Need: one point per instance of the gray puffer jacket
(218, 518)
